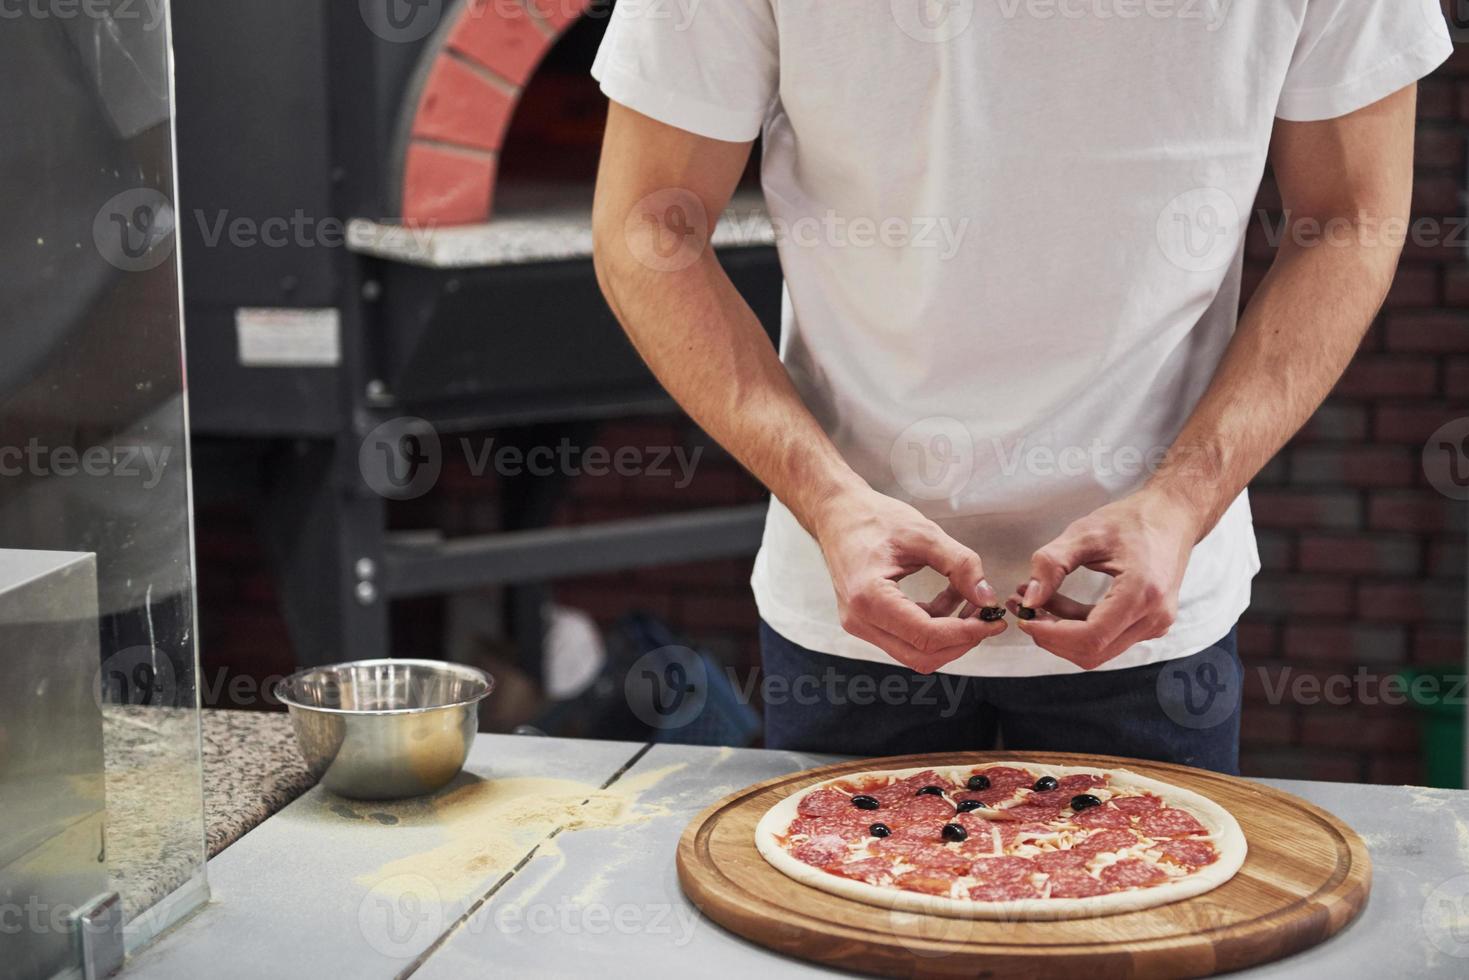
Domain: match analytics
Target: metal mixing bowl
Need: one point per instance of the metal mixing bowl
(385, 729)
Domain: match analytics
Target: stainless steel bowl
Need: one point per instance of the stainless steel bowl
(385, 729)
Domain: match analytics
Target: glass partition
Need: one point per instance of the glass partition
(101, 806)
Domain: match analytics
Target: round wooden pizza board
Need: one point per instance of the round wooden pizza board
(1306, 877)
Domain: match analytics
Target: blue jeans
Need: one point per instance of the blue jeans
(1185, 710)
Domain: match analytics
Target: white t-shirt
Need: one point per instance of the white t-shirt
(1011, 232)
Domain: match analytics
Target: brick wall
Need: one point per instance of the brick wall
(1364, 561)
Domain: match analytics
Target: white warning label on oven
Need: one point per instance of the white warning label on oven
(289, 337)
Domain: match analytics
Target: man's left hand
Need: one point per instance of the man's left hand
(1143, 542)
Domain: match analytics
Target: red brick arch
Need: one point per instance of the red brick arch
(468, 83)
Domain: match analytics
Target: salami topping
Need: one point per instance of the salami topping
(1002, 868)
(1103, 841)
(1029, 813)
(1136, 806)
(1055, 798)
(1007, 776)
(1074, 883)
(873, 870)
(841, 825)
(1101, 816)
(925, 881)
(1131, 873)
(821, 852)
(1080, 781)
(1055, 860)
(824, 803)
(1187, 853)
(1168, 822)
(1003, 891)
(920, 808)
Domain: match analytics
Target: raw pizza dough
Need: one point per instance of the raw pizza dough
(1223, 832)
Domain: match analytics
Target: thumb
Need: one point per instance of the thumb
(1049, 567)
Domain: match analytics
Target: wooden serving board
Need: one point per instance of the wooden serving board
(1306, 877)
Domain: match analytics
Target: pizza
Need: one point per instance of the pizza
(1014, 841)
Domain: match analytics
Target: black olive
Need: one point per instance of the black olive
(879, 830)
(979, 782)
(864, 802)
(991, 613)
(966, 805)
(1025, 612)
(1084, 801)
(1045, 784)
(930, 791)
(953, 831)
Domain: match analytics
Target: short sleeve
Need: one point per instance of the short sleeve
(1351, 53)
(711, 68)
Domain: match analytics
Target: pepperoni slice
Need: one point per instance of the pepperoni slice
(874, 870)
(989, 797)
(1056, 860)
(981, 843)
(839, 825)
(902, 789)
(1053, 798)
(1003, 891)
(922, 808)
(925, 881)
(1190, 854)
(1002, 868)
(1081, 781)
(821, 852)
(824, 803)
(1136, 806)
(1103, 841)
(1006, 775)
(1131, 873)
(1030, 813)
(928, 855)
(1074, 883)
(1105, 815)
(1168, 822)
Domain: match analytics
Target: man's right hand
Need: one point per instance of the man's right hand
(871, 542)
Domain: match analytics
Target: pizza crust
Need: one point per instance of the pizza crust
(1224, 833)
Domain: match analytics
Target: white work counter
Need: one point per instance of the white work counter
(553, 857)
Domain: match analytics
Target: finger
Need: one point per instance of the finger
(1092, 660)
(944, 603)
(1120, 610)
(885, 607)
(1014, 605)
(906, 653)
(1065, 607)
(960, 565)
(1052, 563)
